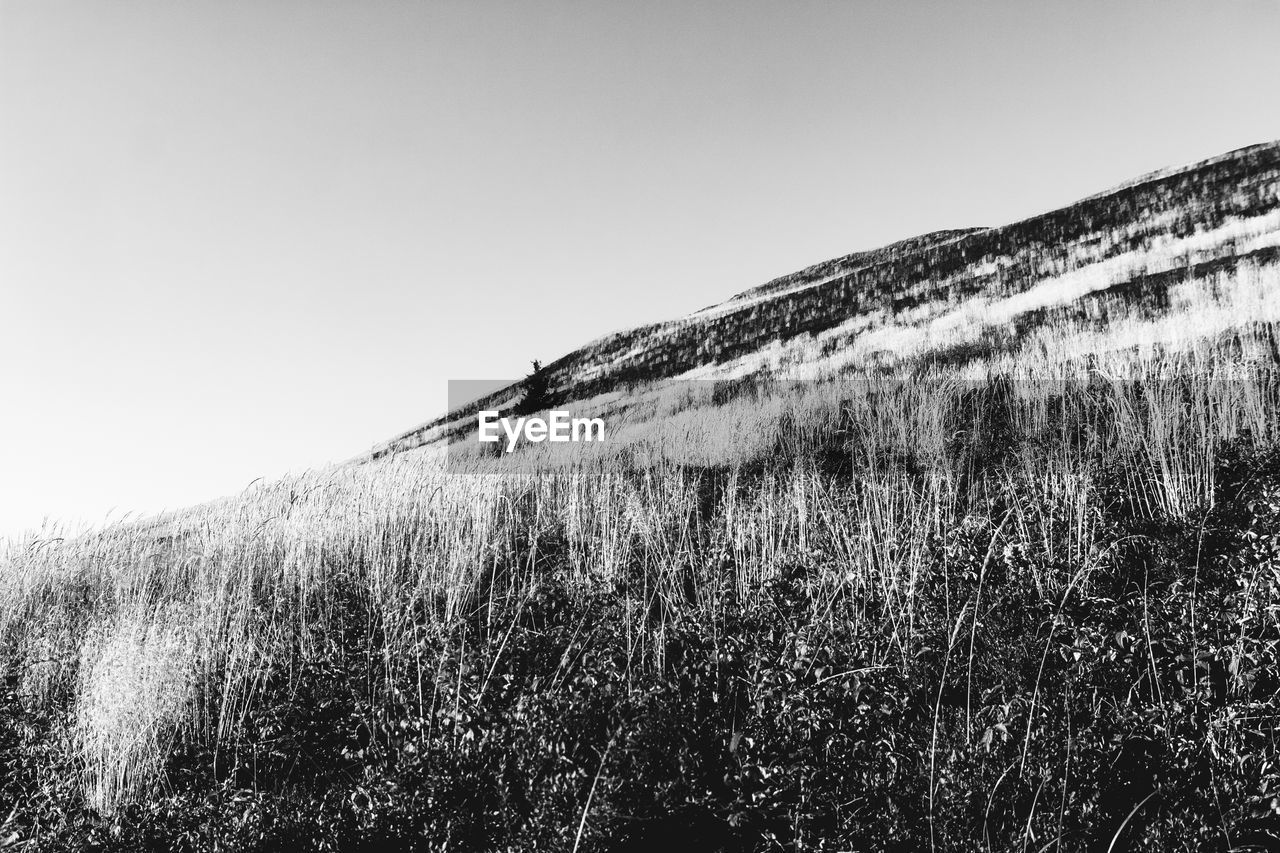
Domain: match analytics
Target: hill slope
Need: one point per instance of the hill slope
(955, 296)
(866, 615)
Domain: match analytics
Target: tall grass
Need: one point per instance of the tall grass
(166, 631)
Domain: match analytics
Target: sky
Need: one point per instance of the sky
(239, 239)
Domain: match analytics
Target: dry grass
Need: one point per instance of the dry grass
(162, 629)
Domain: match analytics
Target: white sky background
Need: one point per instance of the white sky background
(242, 238)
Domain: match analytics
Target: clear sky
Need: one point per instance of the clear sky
(242, 238)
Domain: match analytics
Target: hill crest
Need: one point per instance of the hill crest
(1123, 251)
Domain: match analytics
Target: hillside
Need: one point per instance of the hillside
(956, 296)
(927, 602)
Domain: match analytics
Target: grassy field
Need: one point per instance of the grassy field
(1008, 613)
(990, 574)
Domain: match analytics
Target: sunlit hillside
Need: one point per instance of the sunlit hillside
(970, 543)
(1177, 255)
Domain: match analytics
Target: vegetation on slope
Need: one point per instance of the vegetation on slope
(1015, 587)
(925, 615)
(1120, 256)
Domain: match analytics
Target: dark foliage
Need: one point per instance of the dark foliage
(1137, 711)
(534, 392)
